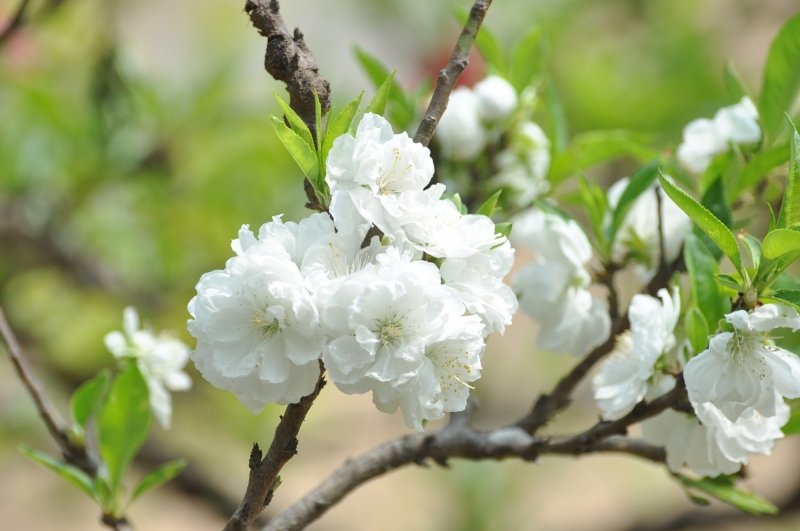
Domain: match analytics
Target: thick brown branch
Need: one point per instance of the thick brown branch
(459, 440)
(263, 473)
(288, 59)
(72, 453)
(446, 81)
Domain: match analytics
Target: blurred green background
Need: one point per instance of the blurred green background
(134, 142)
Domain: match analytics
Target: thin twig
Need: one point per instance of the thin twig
(264, 473)
(459, 440)
(17, 21)
(288, 59)
(71, 452)
(446, 81)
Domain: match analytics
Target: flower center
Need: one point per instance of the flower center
(266, 324)
(744, 350)
(339, 266)
(271, 329)
(389, 178)
(390, 330)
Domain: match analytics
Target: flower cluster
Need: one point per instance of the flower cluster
(736, 387)
(704, 139)
(160, 359)
(405, 316)
(553, 289)
(480, 116)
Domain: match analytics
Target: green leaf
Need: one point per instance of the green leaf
(729, 282)
(722, 488)
(780, 242)
(378, 103)
(486, 44)
(318, 126)
(753, 247)
(773, 224)
(793, 426)
(710, 224)
(297, 123)
(305, 157)
(790, 208)
(527, 60)
(696, 330)
(639, 182)
(594, 147)
(488, 208)
(733, 81)
(702, 267)
(87, 398)
(781, 78)
(403, 108)
(158, 477)
(759, 165)
(340, 125)
(556, 118)
(716, 201)
(503, 228)
(123, 424)
(72, 474)
(790, 297)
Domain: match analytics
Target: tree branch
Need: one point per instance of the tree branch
(288, 59)
(72, 453)
(264, 473)
(450, 74)
(459, 440)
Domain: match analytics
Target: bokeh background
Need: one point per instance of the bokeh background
(135, 140)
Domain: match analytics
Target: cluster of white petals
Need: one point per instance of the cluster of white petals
(524, 164)
(159, 357)
(639, 236)
(380, 317)
(623, 381)
(704, 139)
(462, 130)
(553, 289)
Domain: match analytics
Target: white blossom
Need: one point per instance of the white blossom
(160, 358)
(622, 382)
(639, 235)
(257, 327)
(523, 166)
(478, 279)
(447, 233)
(744, 369)
(553, 288)
(704, 139)
(378, 178)
(460, 132)
(496, 99)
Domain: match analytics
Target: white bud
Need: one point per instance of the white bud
(497, 99)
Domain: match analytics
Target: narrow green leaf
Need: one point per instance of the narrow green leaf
(713, 227)
(715, 199)
(340, 125)
(318, 123)
(790, 297)
(702, 267)
(72, 474)
(298, 149)
(733, 81)
(503, 228)
(790, 208)
(527, 59)
(87, 398)
(722, 489)
(793, 426)
(753, 247)
(403, 106)
(761, 163)
(378, 103)
(297, 123)
(781, 78)
(697, 330)
(780, 242)
(639, 182)
(556, 117)
(773, 224)
(158, 477)
(488, 208)
(729, 282)
(486, 43)
(123, 424)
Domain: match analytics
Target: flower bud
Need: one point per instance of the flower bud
(497, 99)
